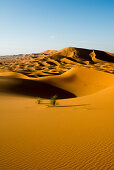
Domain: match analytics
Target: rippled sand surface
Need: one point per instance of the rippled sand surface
(76, 134)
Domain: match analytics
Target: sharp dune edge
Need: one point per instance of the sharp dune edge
(78, 132)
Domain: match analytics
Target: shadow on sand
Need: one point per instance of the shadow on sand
(34, 88)
(73, 105)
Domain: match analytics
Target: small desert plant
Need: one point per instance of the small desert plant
(39, 100)
(53, 100)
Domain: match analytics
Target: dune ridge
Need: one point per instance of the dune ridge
(81, 81)
(52, 62)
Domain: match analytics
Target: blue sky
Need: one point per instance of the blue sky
(29, 26)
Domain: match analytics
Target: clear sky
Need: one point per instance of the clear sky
(29, 26)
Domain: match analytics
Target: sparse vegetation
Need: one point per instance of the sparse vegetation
(53, 100)
(39, 100)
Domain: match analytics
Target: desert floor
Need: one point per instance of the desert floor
(76, 134)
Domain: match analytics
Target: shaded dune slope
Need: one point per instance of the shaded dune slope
(23, 86)
(102, 55)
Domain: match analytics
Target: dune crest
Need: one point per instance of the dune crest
(81, 81)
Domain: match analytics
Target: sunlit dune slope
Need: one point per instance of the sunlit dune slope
(81, 81)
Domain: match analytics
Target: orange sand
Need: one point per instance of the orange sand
(76, 134)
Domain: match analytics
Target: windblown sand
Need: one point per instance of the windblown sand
(76, 134)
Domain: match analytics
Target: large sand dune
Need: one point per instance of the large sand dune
(81, 81)
(74, 83)
(57, 62)
(19, 84)
(76, 134)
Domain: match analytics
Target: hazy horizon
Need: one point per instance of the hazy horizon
(34, 26)
(49, 49)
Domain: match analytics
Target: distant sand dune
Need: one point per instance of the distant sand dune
(36, 65)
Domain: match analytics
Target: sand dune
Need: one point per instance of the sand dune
(82, 81)
(14, 83)
(78, 132)
(51, 61)
(75, 82)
